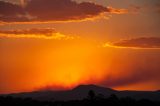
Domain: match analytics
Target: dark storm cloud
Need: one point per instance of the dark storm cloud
(142, 42)
(10, 9)
(11, 12)
(63, 10)
(52, 10)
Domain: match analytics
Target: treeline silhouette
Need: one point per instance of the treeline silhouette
(91, 100)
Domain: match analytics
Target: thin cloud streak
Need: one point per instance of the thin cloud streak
(38, 33)
(136, 43)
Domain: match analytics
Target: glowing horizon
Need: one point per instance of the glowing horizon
(66, 43)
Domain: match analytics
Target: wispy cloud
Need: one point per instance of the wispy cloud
(117, 11)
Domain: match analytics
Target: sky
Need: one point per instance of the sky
(59, 44)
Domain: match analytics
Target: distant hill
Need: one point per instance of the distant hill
(81, 92)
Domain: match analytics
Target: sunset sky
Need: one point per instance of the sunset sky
(59, 44)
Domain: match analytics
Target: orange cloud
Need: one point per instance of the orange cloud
(43, 33)
(142, 42)
(117, 11)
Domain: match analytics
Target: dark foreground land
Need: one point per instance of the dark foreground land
(91, 100)
(84, 95)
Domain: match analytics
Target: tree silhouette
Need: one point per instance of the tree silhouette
(113, 97)
(92, 100)
(91, 94)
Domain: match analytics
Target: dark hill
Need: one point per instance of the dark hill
(81, 92)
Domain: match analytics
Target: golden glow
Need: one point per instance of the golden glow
(44, 52)
(60, 61)
(64, 64)
(73, 65)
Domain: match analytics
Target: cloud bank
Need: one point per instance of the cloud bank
(11, 12)
(53, 10)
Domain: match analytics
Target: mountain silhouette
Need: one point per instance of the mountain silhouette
(81, 92)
